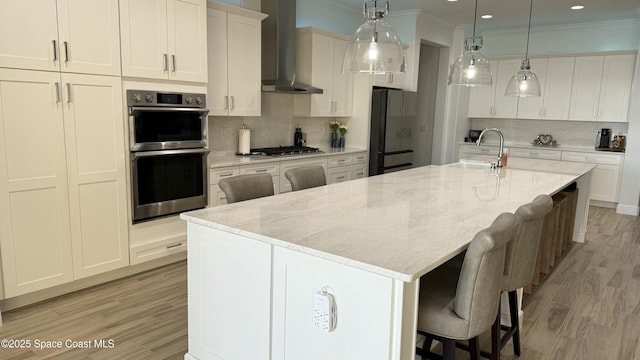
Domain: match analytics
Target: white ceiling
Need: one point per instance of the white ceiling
(515, 13)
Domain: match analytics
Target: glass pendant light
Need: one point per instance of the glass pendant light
(375, 47)
(525, 82)
(471, 68)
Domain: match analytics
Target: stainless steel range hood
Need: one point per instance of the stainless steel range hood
(279, 49)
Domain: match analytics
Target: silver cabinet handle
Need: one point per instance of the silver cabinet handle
(55, 50)
(261, 170)
(173, 63)
(226, 175)
(173, 246)
(226, 102)
(68, 92)
(66, 51)
(231, 106)
(340, 178)
(166, 62)
(57, 85)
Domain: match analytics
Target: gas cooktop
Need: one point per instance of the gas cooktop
(285, 150)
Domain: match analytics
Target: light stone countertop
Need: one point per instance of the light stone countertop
(401, 224)
(228, 158)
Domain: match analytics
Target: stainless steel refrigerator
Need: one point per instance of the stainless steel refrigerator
(391, 145)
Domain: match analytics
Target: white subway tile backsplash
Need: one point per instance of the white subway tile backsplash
(275, 127)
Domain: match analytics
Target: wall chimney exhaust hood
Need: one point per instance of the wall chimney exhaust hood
(279, 49)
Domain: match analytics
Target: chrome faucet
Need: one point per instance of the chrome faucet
(500, 151)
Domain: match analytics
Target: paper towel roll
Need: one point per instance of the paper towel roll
(244, 141)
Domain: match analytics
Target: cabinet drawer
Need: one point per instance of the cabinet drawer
(216, 174)
(360, 158)
(591, 158)
(270, 168)
(536, 153)
(335, 161)
(339, 174)
(157, 249)
(359, 171)
(482, 150)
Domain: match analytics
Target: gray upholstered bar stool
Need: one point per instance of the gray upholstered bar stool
(246, 187)
(306, 177)
(520, 261)
(453, 307)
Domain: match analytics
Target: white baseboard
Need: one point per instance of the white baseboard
(628, 210)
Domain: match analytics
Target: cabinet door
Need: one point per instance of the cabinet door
(187, 40)
(585, 92)
(505, 106)
(94, 127)
(143, 26)
(557, 88)
(615, 92)
(217, 96)
(244, 66)
(342, 83)
(322, 74)
(604, 183)
(89, 36)
(35, 242)
(29, 35)
(530, 107)
(482, 98)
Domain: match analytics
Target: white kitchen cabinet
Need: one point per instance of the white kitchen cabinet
(346, 167)
(79, 36)
(360, 165)
(35, 237)
(605, 178)
(94, 135)
(556, 76)
(535, 153)
(490, 101)
(164, 39)
(319, 63)
(234, 55)
(69, 180)
(601, 88)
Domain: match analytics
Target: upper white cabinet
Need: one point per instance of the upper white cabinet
(555, 75)
(63, 197)
(601, 88)
(234, 55)
(79, 36)
(164, 39)
(319, 63)
(490, 101)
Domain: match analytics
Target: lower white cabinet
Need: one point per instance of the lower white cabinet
(545, 154)
(62, 178)
(605, 178)
(242, 289)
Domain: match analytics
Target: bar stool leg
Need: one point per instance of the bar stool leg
(474, 349)
(495, 337)
(449, 349)
(515, 322)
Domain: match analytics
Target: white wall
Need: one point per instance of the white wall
(328, 15)
(629, 202)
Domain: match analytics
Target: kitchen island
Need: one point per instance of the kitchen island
(254, 267)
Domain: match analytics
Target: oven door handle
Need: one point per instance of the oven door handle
(136, 109)
(141, 154)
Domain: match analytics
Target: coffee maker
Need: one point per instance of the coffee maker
(604, 140)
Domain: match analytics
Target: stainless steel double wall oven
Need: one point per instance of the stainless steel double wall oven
(168, 148)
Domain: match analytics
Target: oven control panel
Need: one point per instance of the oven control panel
(156, 98)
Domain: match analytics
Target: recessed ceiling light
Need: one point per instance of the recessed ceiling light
(452, 0)
(486, 16)
(577, 7)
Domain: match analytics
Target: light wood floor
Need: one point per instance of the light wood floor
(588, 308)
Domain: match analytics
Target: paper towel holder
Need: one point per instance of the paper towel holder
(244, 142)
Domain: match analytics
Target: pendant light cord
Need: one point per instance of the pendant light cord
(475, 16)
(526, 54)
